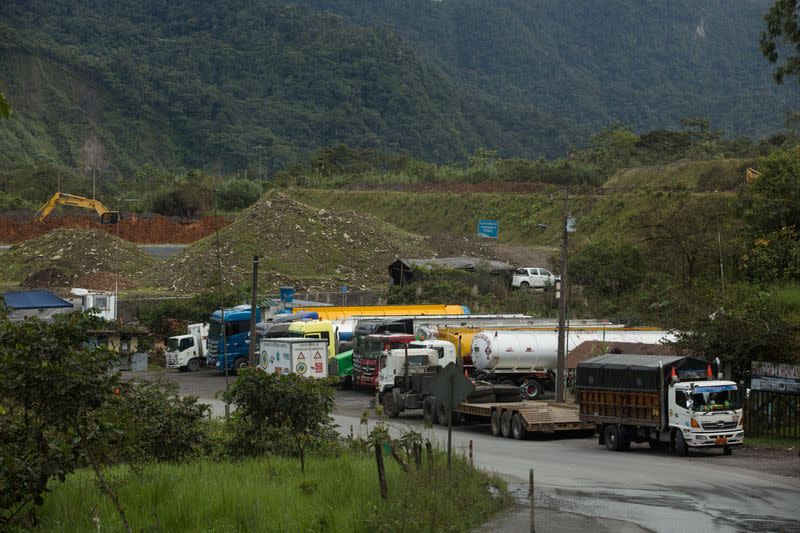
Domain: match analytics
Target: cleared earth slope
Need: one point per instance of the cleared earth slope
(299, 245)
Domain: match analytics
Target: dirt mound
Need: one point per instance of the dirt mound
(150, 229)
(311, 249)
(64, 257)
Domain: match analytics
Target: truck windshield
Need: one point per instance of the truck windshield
(172, 345)
(722, 398)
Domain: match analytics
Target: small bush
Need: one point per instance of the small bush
(237, 194)
(284, 414)
(156, 423)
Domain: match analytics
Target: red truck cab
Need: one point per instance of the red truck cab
(368, 352)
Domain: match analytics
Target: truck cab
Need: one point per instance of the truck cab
(368, 353)
(393, 365)
(236, 324)
(186, 352)
(316, 329)
(707, 413)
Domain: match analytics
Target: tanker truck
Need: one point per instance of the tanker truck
(528, 359)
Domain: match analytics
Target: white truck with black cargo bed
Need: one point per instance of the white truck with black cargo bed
(666, 401)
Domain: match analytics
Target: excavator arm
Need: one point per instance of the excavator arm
(60, 198)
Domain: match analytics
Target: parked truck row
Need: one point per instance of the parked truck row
(666, 401)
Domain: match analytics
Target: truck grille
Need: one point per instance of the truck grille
(719, 425)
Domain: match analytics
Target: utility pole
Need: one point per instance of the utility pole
(562, 308)
(252, 352)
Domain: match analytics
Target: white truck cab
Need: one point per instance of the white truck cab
(186, 352)
(532, 277)
(706, 413)
(422, 355)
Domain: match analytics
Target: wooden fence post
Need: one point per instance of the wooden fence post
(381, 471)
(429, 453)
(531, 498)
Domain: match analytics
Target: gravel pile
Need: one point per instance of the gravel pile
(64, 257)
(309, 248)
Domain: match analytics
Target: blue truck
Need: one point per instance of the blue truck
(237, 328)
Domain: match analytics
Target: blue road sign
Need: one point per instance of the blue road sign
(487, 229)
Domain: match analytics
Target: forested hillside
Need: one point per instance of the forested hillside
(188, 84)
(179, 85)
(644, 63)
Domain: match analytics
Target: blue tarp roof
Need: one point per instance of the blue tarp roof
(34, 300)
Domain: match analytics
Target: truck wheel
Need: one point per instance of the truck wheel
(429, 410)
(505, 424)
(534, 389)
(495, 423)
(524, 286)
(239, 364)
(611, 438)
(441, 414)
(680, 444)
(390, 405)
(518, 427)
(193, 365)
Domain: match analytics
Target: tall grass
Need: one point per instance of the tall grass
(787, 301)
(336, 494)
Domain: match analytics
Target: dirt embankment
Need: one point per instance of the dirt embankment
(86, 258)
(150, 229)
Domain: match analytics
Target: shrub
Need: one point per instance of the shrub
(275, 411)
(608, 268)
(156, 422)
(48, 411)
(237, 194)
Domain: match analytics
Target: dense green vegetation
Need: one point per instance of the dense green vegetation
(107, 88)
(647, 64)
(203, 84)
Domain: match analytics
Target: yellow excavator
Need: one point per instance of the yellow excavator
(60, 198)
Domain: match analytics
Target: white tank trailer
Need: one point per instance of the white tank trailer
(529, 358)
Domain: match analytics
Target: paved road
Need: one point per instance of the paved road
(162, 251)
(650, 489)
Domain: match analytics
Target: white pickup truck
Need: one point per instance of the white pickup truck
(532, 277)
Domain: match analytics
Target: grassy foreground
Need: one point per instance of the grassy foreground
(336, 494)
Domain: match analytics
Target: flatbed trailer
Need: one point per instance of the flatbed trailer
(519, 419)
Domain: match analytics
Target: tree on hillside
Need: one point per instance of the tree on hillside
(781, 36)
(772, 212)
(612, 148)
(680, 237)
(750, 330)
